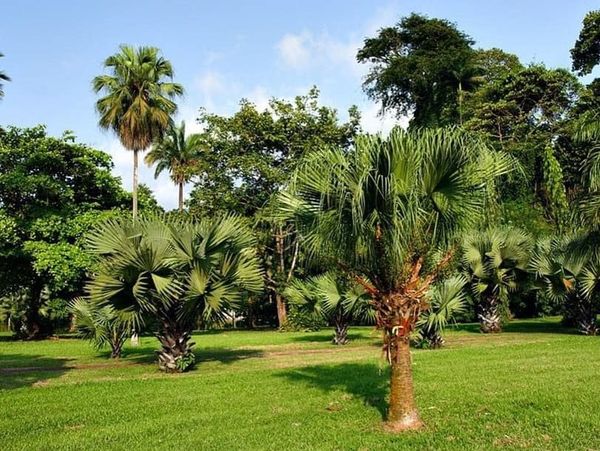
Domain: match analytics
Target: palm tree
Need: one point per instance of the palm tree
(466, 76)
(446, 299)
(332, 297)
(100, 325)
(174, 272)
(138, 100)
(571, 276)
(387, 212)
(178, 155)
(496, 263)
(3, 77)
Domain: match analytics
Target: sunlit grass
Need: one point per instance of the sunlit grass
(534, 386)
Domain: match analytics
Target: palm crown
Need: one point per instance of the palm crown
(138, 101)
(177, 154)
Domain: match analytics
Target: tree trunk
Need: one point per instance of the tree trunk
(180, 196)
(281, 310)
(116, 345)
(176, 354)
(585, 316)
(460, 94)
(135, 183)
(490, 319)
(340, 336)
(402, 414)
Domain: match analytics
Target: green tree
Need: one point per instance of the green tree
(252, 155)
(496, 263)
(100, 325)
(446, 299)
(138, 100)
(178, 154)
(51, 191)
(586, 52)
(388, 211)
(174, 272)
(334, 297)
(421, 67)
(3, 77)
(568, 268)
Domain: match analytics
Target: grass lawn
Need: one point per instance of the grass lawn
(535, 386)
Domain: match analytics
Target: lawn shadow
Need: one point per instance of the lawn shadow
(222, 355)
(310, 338)
(522, 326)
(360, 380)
(18, 370)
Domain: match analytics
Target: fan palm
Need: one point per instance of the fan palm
(387, 212)
(446, 299)
(178, 154)
(138, 100)
(496, 262)
(334, 298)
(570, 277)
(3, 77)
(174, 272)
(99, 324)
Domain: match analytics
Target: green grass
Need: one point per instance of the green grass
(535, 386)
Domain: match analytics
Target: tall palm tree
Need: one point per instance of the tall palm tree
(178, 154)
(3, 77)
(334, 298)
(174, 272)
(388, 212)
(138, 100)
(496, 262)
(466, 76)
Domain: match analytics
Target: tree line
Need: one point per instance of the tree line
(486, 207)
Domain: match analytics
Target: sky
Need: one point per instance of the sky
(223, 51)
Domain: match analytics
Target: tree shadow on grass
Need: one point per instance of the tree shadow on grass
(323, 338)
(360, 380)
(222, 355)
(522, 326)
(18, 370)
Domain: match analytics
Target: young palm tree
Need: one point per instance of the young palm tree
(496, 262)
(173, 272)
(178, 154)
(388, 212)
(3, 77)
(446, 299)
(571, 276)
(138, 100)
(334, 298)
(100, 325)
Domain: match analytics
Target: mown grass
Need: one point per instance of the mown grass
(535, 387)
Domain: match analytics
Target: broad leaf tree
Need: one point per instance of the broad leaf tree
(387, 212)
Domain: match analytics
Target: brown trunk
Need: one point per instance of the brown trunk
(340, 336)
(281, 310)
(175, 355)
(180, 196)
(135, 184)
(402, 414)
(490, 318)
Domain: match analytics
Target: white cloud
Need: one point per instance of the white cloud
(294, 49)
(373, 122)
(259, 97)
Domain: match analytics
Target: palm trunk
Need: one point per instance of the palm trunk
(402, 414)
(490, 319)
(176, 354)
(116, 345)
(460, 94)
(340, 336)
(280, 302)
(180, 196)
(585, 316)
(135, 183)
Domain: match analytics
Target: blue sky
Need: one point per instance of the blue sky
(223, 51)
